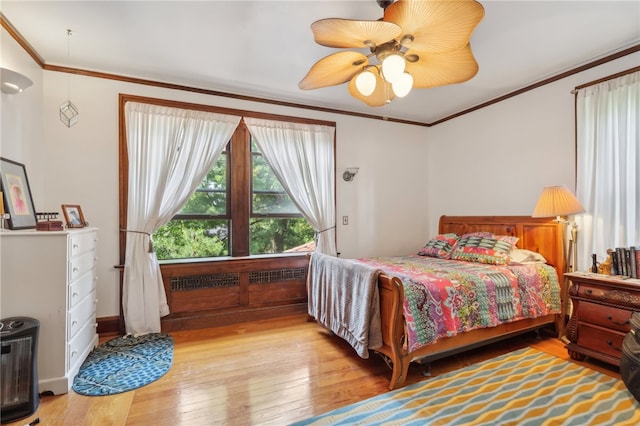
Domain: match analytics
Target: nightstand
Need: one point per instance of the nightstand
(602, 308)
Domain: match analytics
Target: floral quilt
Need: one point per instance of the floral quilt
(447, 297)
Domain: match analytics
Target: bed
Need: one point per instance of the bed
(376, 300)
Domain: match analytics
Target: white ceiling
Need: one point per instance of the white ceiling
(264, 48)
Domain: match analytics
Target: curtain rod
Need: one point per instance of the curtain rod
(602, 80)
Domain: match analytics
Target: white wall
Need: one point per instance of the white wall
(496, 160)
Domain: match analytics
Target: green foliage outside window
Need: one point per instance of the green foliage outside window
(279, 235)
(185, 239)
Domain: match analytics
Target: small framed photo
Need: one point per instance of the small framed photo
(73, 216)
(16, 195)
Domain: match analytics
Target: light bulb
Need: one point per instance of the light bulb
(402, 86)
(366, 83)
(392, 67)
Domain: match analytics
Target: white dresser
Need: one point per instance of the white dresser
(51, 276)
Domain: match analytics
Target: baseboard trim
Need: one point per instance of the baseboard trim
(108, 326)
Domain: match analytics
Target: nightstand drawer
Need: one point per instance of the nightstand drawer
(615, 319)
(604, 341)
(591, 291)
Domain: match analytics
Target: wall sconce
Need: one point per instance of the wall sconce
(13, 82)
(349, 174)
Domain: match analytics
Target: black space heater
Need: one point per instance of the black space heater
(19, 367)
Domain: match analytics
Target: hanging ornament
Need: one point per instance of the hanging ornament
(68, 111)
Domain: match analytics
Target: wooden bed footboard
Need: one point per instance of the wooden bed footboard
(393, 348)
(545, 236)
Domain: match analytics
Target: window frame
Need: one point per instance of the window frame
(239, 206)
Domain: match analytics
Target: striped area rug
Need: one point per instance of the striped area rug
(525, 387)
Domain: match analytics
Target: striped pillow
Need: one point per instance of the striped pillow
(484, 248)
(439, 246)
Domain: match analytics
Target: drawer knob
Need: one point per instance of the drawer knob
(610, 343)
(589, 291)
(610, 318)
(75, 269)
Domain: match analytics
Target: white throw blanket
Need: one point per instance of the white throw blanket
(343, 296)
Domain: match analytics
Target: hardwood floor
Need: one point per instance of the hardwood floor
(271, 372)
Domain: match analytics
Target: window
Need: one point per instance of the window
(608, 165)
(239, 209)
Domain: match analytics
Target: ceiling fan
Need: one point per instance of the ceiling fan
(417, 43)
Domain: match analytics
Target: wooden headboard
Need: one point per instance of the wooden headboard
(542, 235)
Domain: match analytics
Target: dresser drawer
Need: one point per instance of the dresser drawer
(591, 291)
(81, 345)
(82, 242)
(615, 319)
(80, 315)
(82, 264)
(603, 341)
(81, 287)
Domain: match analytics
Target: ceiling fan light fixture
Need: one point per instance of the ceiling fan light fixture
(402, 86)
(393, 67)
(417, 43)
(366, 82)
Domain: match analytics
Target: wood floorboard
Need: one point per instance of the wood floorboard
(270, 372)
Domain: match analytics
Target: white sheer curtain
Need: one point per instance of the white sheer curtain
(170, 151)
(608, 166)
(302, 157)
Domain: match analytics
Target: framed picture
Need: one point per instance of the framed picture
(73, 216)
(17, 195)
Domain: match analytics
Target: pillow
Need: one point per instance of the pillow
(522, 256)
(439, 246)
(484, 247)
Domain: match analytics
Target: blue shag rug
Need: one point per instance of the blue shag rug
(124, 363)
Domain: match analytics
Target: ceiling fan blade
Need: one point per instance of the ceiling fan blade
(380, 96)
(334, 69)
(442, 68)
(437, 26)
(337, 32)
